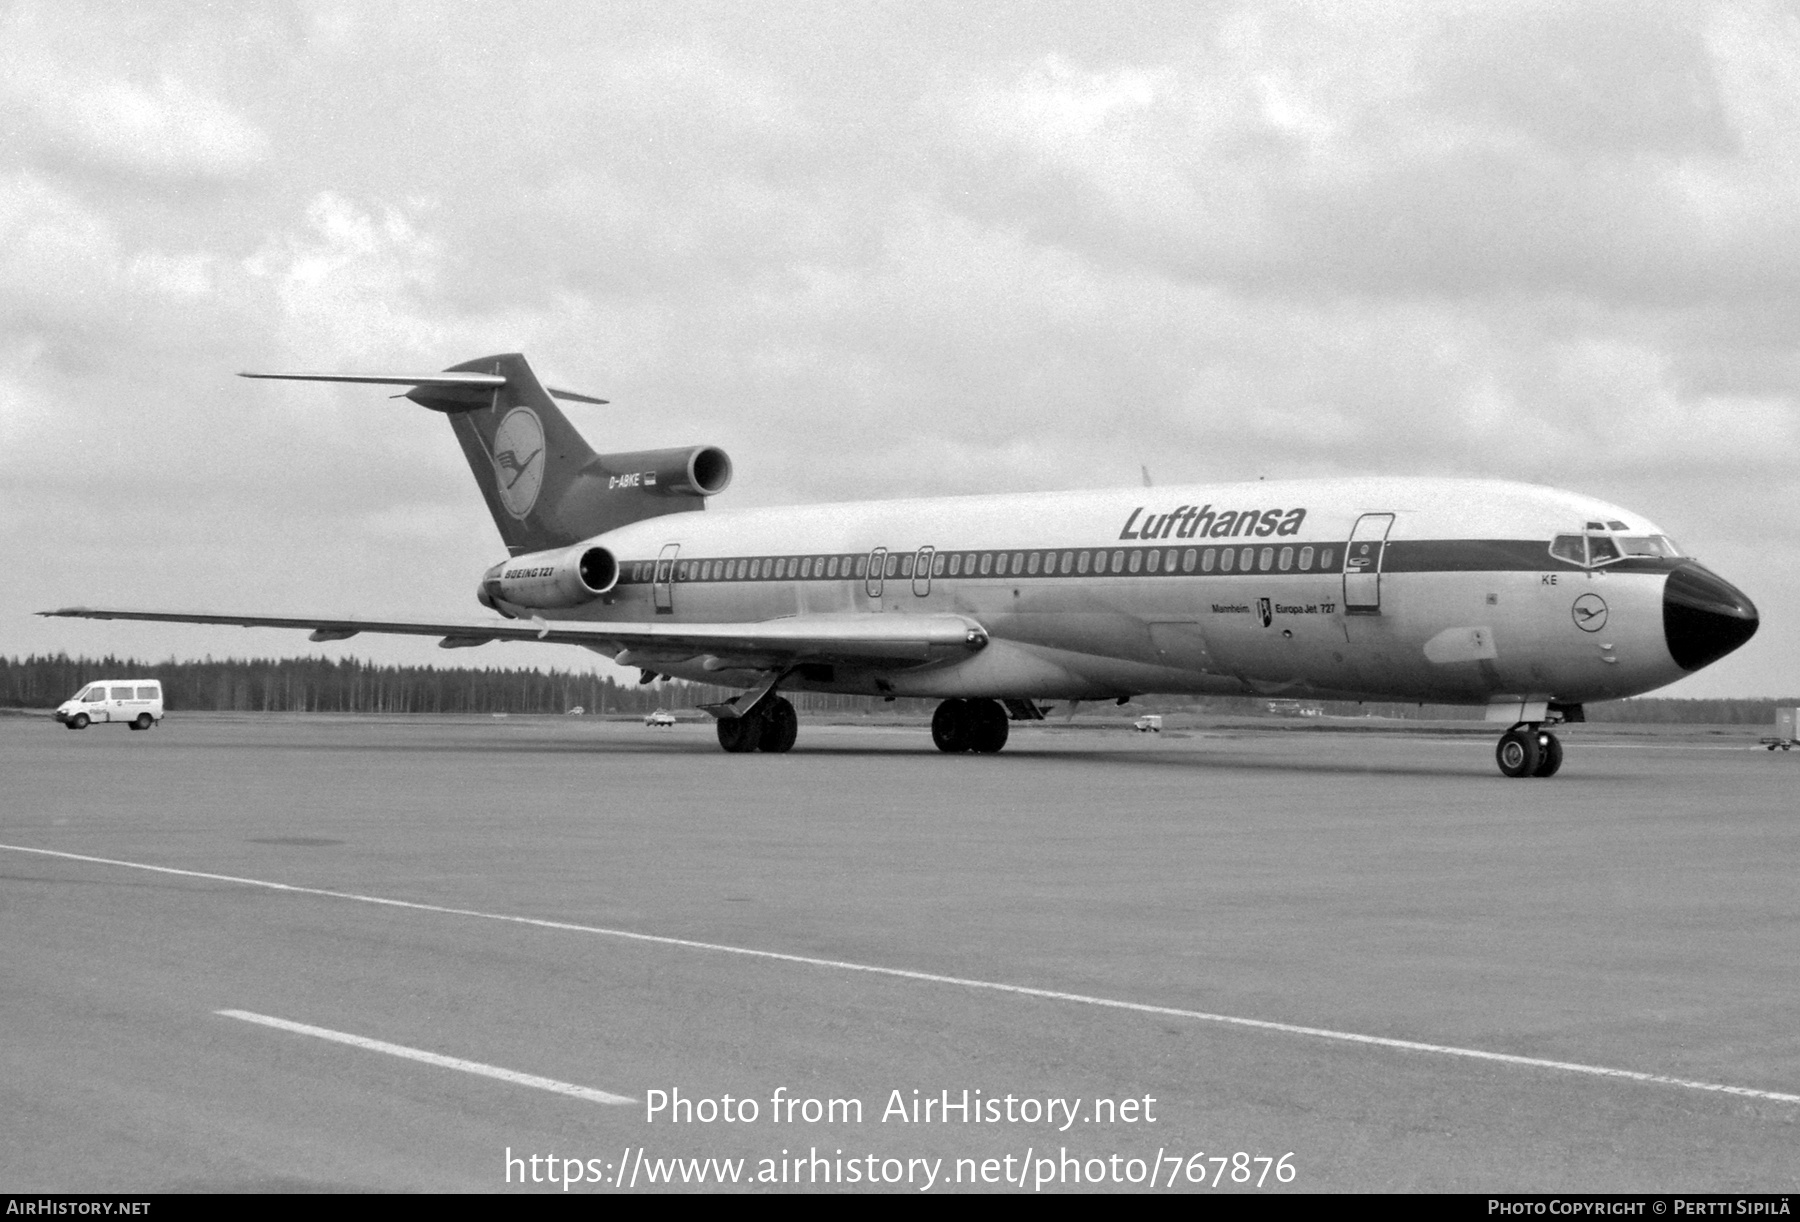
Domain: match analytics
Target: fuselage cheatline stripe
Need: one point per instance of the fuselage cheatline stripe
(1293, 558)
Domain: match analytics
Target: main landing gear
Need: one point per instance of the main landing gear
(772, 726)
(1529, 750)
(969, 725)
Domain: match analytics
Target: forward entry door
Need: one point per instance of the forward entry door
(663, 586)
(1362, 564)
(876, 578)
(921, 577)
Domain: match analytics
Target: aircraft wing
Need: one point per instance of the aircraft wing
(766, 644)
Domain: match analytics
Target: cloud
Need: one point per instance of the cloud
(351, 283)
(888, 252)
(1597, 150)
(1604, 78)
(166, 126)
(55, 251)
(156, 123)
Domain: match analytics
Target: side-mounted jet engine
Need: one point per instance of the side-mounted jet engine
(549, 581)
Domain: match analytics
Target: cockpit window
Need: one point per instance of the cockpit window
(1647, 545)
(1572, 548)
(1601, 549)
(1596, 549)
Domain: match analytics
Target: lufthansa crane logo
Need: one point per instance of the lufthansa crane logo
(519, 460)
(1589, 612)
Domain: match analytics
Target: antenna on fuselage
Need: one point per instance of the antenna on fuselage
(1146, 471)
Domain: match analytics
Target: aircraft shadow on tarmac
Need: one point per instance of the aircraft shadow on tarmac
(1224, 755)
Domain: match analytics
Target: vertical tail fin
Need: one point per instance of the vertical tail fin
(525, 454)
(544, 485)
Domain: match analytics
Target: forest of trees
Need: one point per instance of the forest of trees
(322, 685)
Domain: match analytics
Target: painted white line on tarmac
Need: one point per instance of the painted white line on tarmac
(1585, 744)
(430, 1058)
(992, 986)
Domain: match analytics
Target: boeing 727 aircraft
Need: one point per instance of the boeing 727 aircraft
(1525, 600)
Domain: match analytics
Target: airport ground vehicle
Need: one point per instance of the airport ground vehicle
(137, 703)
(1149, 723)
(1524, 600)
(660, 719)
(1784, 736)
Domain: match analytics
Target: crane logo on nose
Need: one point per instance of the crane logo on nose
(1589, 612)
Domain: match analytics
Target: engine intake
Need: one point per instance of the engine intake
(684, 471)
(552, 580)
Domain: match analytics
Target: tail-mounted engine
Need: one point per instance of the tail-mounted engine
(550, 581)
(684, 471)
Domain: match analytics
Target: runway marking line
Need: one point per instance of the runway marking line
(430, 1058)
(991, 986)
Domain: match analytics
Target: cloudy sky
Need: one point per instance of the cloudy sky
(875, 250)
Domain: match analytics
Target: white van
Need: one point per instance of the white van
(137, 703)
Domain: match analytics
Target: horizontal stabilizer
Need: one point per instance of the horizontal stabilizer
(444, 381)
(570, 395)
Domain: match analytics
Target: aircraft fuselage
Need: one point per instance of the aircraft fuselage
(1292, 588)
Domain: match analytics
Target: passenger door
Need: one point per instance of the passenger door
(1362, 563)
(663, 584)
(921, 574)
(876, 578)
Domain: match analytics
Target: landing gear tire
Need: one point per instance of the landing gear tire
(780, 726)
(78, 722)
(1519, 753)
(1552, 754)
(969, 725)
(741, 734)
(987, 726)
(141, 722)
(950, 726)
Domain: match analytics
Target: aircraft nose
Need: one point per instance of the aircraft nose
(1705, 617)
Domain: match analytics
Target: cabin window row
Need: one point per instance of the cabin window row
(1139, 561)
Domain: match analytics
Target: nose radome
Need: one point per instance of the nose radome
(1705, 617)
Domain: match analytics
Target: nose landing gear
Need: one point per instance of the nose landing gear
(1529, 750)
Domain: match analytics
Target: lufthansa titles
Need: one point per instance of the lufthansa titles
(1202, 521)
